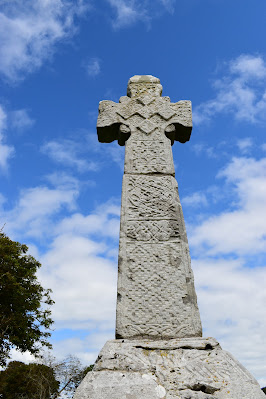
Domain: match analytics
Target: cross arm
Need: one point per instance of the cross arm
(180, 125)
(109, 127)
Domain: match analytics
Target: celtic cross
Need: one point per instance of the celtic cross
(156, 297)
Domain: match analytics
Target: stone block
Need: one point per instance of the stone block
(189, 368)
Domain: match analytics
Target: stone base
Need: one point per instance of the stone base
(188, 368)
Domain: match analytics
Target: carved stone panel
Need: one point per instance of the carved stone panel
(150, 197)
(156, 295)
(145, 156)
(153, 230)
(153, 293)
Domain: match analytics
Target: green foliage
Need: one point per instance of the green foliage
(87, 369)
(264, 390)
(42, 381)
(23, 320)
(28, 381)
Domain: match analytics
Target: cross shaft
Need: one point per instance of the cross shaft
(155, 296)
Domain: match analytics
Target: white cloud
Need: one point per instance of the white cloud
(106, 151)
(195, 199)
(104, 221)
(6, 151)
(240, 229)
(33, 213)
(68, 152)
(168, 4)
(2, 201)
(93, 67)
(29, 31)
(240, 92)
(20, 119)
(128, 12)
(24, 357)
(84, 153)
(2, 120)
(117, 154)
(249, 66)
(80, 268)
(63, 180)
(204, 149)
(263, 147)
(245, 145)
(83, 282)
(86, 349)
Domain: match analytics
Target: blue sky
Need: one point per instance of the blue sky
(60, 189)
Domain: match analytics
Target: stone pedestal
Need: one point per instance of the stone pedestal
(188, 368)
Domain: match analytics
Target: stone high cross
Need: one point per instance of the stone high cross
(159, 352)
(156, 297)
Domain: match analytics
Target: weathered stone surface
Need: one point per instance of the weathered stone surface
(156, 295)
(190, 368)
(149, 154)
(117, 385)
(144, 111)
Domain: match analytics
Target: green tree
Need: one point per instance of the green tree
(264, 390)
(28, 381)
(24, 303)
